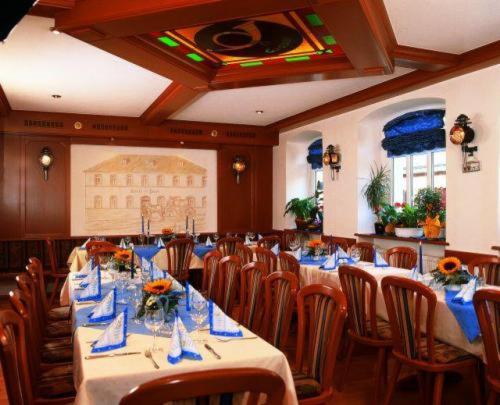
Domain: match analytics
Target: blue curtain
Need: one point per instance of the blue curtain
(315, 155)
(415, 132)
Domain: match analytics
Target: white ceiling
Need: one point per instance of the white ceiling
(454, 26)
(279, 101)
(35, 63)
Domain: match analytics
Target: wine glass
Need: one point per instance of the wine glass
(196, 237)
(294, 244)
(356, 254)
(318, 249)
(121, 284)
(216, 237)
(136, 300)
(153, 322)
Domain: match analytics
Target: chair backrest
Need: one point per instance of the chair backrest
(487, 305)
(179, 253)
(210, 267)
(227, 245)
(35, 270)
(267, 257)
(229, 276)
(366, 249)
(26, 284)
(51, 249)
(103, 254)
(409, 303)
(280, 289)
(290, 234)
(269, 241)
(402, 257)
(244, 253)
(209, 385)
(488, 269)
(321, 312)
(14, 358)
(332, 242)
(252, 278)
(360, 290)
(289, 263)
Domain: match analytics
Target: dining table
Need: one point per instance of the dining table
(105, 380)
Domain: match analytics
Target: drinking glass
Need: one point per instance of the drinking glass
(216, 237)
(317, 252)
(355, 254)
(153, 322)
(136, 300)
(196, 237)
(294, 244)
(251, 236)
(121, 284)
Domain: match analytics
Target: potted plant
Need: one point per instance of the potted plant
(304, 210)
(376, 193)
(389, 217)
(428, 202)
(450, 274)
(407, 222)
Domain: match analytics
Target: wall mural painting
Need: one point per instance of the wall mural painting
(112, 187)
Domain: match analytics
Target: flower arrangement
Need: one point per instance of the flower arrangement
(158, 294)
(123, 259)
(449, 272)
(167, 231)
(316, 246)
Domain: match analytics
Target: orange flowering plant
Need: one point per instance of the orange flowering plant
(449, 272)
(314, 246)
(158, 294)
(123, 259)
(167, 231)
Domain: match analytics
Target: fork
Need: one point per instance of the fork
(149, 355)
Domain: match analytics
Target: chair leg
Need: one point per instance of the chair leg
(54, 292)
(438, 389)
(392, 382)
(378, 373)
(492, 398)
(422, 386)
(476, 386)
(350, 349)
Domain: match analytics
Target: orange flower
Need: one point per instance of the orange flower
(449, 265)
(123, 255)
(158, 287)
(167, 231)
(315, 242)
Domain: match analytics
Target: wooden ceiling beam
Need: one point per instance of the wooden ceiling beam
(363, 30)
(423, 59)
(49, 8)
(175, 97)
(5, 108)
(471, 61)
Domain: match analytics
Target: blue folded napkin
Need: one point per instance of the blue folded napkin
(181, 346)
(84, 243)
(90, 276)
(220, 323)
(465, 315)
(160, 244)
(466, 293)
(297, 254)
(105, 310)
(146, 251)
(155, 273)
(93, 290)
(247, 240)
(201, 250)
(259, 236)
(378, 259)
(415, 274)
(114, 336)
(276, 249)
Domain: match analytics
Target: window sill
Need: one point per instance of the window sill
(438, 242)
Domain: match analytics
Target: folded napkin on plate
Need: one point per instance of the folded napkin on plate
(378, 259)
(415, 275)
(331, 263)
(105, 310)
(297, 254)
(466, 293)
(114, 336)
(93, 290)
(247, 240)
(88, 277)
(122, 244)
(85, 270)
(181, 346)
(276, 249)
(85, 243)
(343, 257)
(220, 323)
(209, 242)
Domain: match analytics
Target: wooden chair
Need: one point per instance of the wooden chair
(104, 254)
(179, 253)
(267, 257)
(401, 257)
(280, 289)
(487, 305)
(269, 242)
(289, 234)
(366, 249)
(229, 276)
(244, 253)
(321, 312)
(364, 327)
(332, 242)
(58, 274)
(210, 281)
(488, 269)
(227, 245)
(415, 345)
(289, 263)
(206, 385)
(35, 270)
(52, 387)
(252, 278)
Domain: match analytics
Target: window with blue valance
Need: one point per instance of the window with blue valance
(415, 132)
(315, 155)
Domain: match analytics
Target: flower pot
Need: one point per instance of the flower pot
(432, 228)
(301, 223)
(409, 232)
(390, 229)
(379, 228)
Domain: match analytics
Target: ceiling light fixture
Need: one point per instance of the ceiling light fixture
(56, 96)
(259, 112)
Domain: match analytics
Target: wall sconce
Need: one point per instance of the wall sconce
(332, 158)
(239, 166)
(46, 159)
(462, 134)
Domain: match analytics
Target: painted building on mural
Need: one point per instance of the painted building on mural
(165, 189)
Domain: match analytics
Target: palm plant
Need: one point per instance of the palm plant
(378, 189)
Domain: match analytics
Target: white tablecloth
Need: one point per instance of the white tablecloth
(106, 381)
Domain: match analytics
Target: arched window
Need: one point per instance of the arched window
(113, 201)
(97, 179)
(129, 201)
(190, 201)
(159, 180)
(97, 201)
(130, 180)
(189, 181)
(175, 181)
(144, 180)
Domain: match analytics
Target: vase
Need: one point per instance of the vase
(453, 287)
(390, 229)
(432, 227)
(409, 232)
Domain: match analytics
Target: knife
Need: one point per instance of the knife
(101, 356)
(211, 350)
(87, 325)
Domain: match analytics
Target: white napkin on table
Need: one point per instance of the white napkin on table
(85, 270)
(122, 244)
(466, 293)
(343, 257)
(114, 336)
(105, 310)
(259, 236)
(181, 346)
(415, 275)
(208, 242)
(220, 323)
(276, 249)
(331, 263)
(297, 254)
(93, 290)
(378, 259)
(160, 243)
(247, 240)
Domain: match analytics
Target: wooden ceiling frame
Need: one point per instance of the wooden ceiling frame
(5, 108)
(49, 8)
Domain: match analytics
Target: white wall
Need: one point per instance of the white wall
(473, 199)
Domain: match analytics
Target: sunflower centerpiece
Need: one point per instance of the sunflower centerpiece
(450, 274)
(158, 294)
(123, 260)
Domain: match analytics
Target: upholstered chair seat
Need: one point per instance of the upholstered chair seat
(58, 329)
(56, 382)
(305, 387)
(59, 313)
